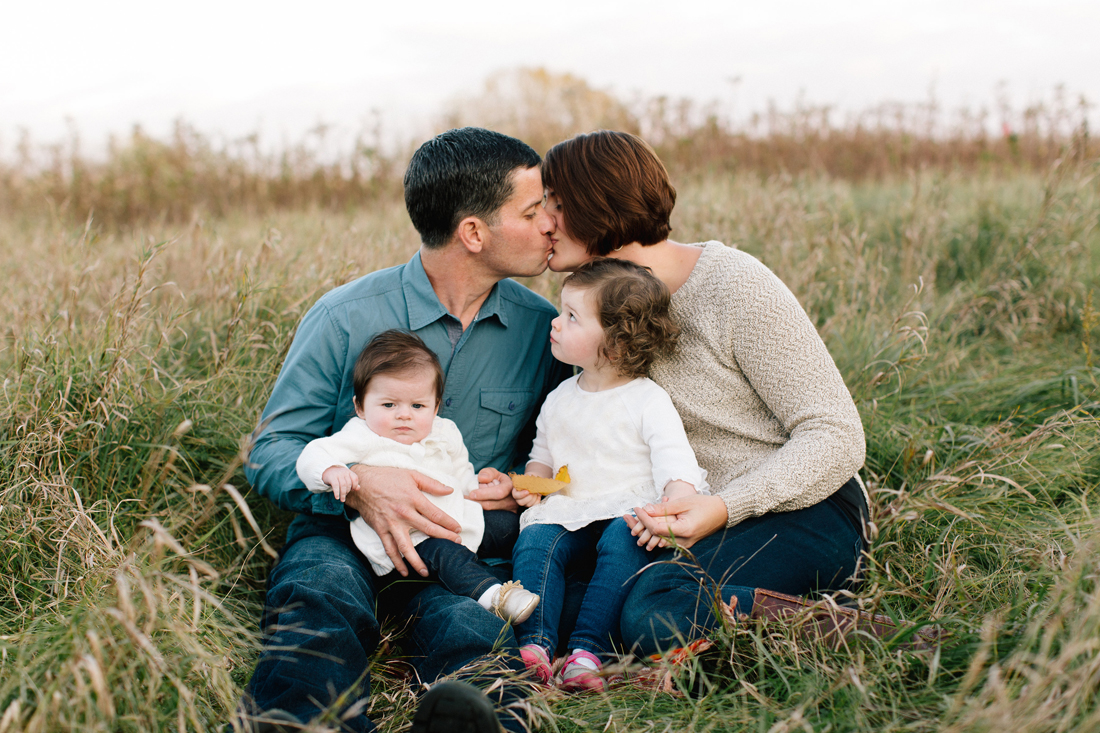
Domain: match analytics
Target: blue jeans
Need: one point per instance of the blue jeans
(544, 553)
(321, 627)
(795, 552)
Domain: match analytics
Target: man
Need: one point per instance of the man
(475, 197)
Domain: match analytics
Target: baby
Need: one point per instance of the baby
(398, 385)
(624, 445)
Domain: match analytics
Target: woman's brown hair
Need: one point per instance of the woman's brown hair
(613, 188)
(633, 308)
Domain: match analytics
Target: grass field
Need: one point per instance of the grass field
(959, 306)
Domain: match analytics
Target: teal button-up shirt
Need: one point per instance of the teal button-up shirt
(498, 374)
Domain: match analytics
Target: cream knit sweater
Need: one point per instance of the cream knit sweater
(763, 404)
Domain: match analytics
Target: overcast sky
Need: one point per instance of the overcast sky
(280, 67)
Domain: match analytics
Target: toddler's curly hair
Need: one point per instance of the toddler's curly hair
(633, 308)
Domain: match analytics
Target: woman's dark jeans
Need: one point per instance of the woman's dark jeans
(797, 552)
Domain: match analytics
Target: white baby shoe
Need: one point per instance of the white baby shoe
(514, 604)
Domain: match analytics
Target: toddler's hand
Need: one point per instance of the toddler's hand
(677, 489)
(525, 498)
(646, 539)
(342, 480)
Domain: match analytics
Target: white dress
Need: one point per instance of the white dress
(441, 455)
(622, 446)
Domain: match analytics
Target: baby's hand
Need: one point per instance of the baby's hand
(342, 480)
(525, 498)
(676, 489)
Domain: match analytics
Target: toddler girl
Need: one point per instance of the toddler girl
(398, 385)
(624, 445)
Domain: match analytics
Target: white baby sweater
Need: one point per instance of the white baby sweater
(441, 456)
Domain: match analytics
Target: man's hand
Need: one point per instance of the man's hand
(342, 480)
(392, 502)
(494, 490)
(687, 518)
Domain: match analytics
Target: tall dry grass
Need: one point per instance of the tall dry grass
(958, 305)
(143, 179)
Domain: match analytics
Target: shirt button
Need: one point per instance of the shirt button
(511, 405)
(448, 402)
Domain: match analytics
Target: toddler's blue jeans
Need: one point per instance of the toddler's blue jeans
(541, 560)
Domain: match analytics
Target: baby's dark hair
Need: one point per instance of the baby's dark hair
(394, 352)
(633, 308)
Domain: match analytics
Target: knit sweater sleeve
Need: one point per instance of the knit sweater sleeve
(773, 342)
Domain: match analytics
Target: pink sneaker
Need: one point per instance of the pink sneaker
(577, 677)
(537, 661)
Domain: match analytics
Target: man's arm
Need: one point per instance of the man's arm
(302, 406)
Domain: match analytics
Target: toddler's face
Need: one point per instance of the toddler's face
(400, 406)
(576, 335)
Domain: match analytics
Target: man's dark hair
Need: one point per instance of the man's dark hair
(462, 172)
(394, 352)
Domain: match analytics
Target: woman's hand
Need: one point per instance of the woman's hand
(687, 518)
(494, 490)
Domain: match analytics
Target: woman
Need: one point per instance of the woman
(763, 404)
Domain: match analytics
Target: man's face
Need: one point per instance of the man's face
(519, 243)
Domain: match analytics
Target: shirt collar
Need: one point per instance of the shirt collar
(423, 303)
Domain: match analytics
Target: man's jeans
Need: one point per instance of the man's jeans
(795, 552)
(544, 554)
(321, 628)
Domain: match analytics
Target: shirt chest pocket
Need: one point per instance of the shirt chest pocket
(501, 416)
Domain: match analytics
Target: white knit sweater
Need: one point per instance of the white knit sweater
(763, 404)
(441, 455)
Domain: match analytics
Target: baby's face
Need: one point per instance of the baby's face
(400, 406)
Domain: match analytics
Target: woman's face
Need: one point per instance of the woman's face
(566, 254)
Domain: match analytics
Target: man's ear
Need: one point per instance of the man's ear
(473, 233)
